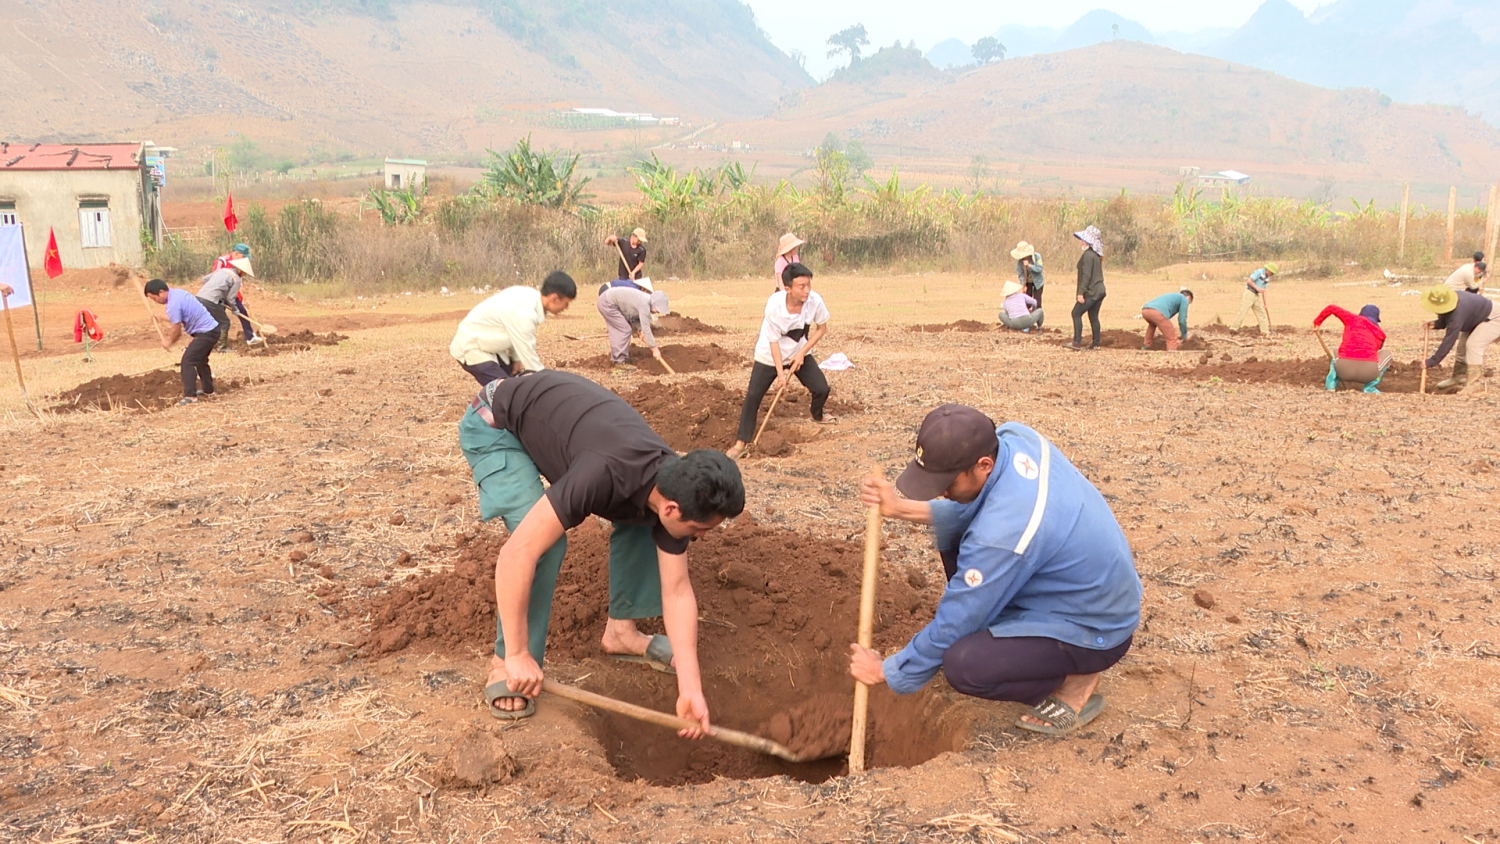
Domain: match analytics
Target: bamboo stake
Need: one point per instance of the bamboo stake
(15, 355)
(1452, 210)
(866, 633)
(662, 719)
(1490, 221)
(1422, 388)
(1405, 204)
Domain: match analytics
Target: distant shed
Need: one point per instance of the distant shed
(403, 173)
(1224, 179)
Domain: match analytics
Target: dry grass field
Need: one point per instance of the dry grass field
(197, 644)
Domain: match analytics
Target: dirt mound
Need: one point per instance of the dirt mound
(1119, 338)
(966, 325)
(696, 413)
(1401, 378)
(296, 341)
(778, 609)
(682, 358)
(147, 391)
(681, 324)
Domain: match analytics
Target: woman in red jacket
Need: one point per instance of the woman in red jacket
(1361, 358)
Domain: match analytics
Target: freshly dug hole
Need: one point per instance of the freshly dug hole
(682, 358)
(147, 391)
(1400, 378)
(778, 610)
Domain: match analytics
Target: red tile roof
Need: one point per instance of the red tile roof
(69, 156)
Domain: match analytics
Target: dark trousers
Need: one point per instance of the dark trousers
(195, 368)
(761, 379)
(1036, 293)
(245, 326)
(220, 315)
(1023, 668)
(1090, 307)
(490, 370)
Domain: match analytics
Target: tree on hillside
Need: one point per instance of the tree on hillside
(987, 49)
(849, 41)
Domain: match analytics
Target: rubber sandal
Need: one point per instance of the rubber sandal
(187, 401)
(658, 655)
(828, 419)
(495, 691)
(734, 452)
(1060, 718)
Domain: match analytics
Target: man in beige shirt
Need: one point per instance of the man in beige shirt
(498, 338)
(1468, 277)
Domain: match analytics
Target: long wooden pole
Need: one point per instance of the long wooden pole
(150, 313)
(1489, 225)
(662, 719)
(36, 307)
(1452, 210)
(866, 634)
(1405, 205)
(774, 399)
(1422, 388)
(15, 354)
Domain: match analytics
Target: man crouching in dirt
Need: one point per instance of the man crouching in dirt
(601, 459)
(1042, 593)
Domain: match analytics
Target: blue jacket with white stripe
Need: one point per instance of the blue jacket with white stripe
(1039, 554)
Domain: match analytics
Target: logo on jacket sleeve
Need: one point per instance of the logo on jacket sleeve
(1026, 466)
(973, 577)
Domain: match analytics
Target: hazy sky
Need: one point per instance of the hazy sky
(806, 25)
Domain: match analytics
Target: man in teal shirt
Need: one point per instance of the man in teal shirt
(1158, 315)
(1254, 299)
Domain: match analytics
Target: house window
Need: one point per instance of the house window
(396, 181)
(93, 224)
(8, 214)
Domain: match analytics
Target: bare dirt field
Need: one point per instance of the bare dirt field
(267, 617)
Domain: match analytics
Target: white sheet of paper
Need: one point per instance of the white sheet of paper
(13, 266)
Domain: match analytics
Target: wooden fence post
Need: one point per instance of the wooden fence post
(1492, 220)
(1452, 209)
(1405, 203)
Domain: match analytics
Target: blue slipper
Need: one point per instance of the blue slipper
(658, 655)
(495, 691)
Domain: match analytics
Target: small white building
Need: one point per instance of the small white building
(99, 199)
(1224, 179)
(405, 173)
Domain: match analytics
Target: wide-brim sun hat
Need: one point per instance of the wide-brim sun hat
(1022, 250)
(1011, 288)
(1440, 299)
(788, 242)
(1093, 237)
(1272, 269)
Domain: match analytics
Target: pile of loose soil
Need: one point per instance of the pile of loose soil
(696, 413)
(1401, 378)
(1119, 338)
(966, 325)
(682, 358)
(147, 391)
(1249, 330)
(297, 341)
(682, 324)
(777, 610)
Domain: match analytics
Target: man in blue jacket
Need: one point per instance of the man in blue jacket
(1042, 592)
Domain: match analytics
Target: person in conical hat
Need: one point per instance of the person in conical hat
(788, 251)
(1019, 311)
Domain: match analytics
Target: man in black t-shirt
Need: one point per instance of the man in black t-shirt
(632, 255)
(601, 459)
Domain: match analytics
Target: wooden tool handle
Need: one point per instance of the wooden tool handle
(1318, 330)
(662, 719)
(772, 409)
(866, 634)
(662, 359)
(1422, 388)
(624, 263)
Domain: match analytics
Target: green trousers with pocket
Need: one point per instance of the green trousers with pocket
(509, 484)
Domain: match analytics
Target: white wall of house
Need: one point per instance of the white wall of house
(97, 214)
(400, 176)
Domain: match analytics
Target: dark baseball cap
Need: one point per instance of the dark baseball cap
(950, 441)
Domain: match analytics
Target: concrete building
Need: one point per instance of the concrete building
(98, 198)
(1224, 179)
(404, 173)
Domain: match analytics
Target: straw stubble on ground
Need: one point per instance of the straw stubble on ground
(185, 588)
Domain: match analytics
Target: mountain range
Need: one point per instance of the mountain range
(1419, 51)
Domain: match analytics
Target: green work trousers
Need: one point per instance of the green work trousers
(509, 484)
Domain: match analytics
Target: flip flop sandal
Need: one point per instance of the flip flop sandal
(828, 419)
(1060, 718)
(658, 655)
(495, 691)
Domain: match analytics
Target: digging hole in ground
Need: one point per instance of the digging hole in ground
(777, 611)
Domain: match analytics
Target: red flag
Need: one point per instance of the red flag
(53, 261)
(230, 221)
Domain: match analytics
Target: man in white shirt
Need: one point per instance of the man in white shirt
(796, 319)
(498, 338)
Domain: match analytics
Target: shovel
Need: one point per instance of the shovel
(265, 327)
(662, 719)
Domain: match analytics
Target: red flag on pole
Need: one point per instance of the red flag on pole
(53, 262)
(230, 220)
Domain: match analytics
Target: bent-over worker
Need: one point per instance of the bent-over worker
(187, 315)
(1362, 358)
(1254, 299)
(1469, 276)
(1469, 321)
(1158, 315)
(627, 310)
(1042, 593)
(795, 321)
(218, 292)
(1029, 270)
(497, 339)
(240, 252)
(601, 459)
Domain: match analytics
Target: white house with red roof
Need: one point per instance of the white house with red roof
(100, 199)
